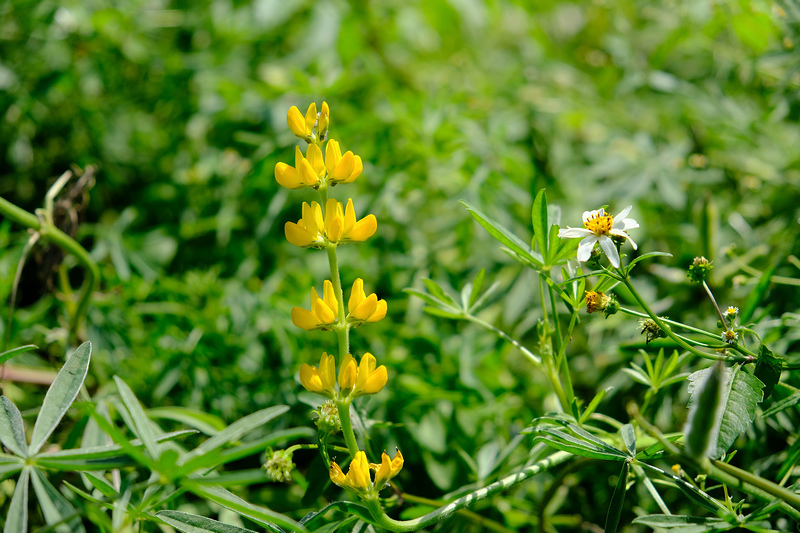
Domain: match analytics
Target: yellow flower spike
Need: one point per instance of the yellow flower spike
(347, 374)
(341, 169)
(363, 308)
(369, 380)
(387, 469)
(324, 120)
(323, 313)
(319, 381)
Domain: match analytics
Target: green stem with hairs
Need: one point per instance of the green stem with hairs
(381, 519)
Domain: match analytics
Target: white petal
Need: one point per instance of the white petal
(585, 247)
(628, 223)
(574, 233)
(632, 243)
(611, 251)
(622, 214)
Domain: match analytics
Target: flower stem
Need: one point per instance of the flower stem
(347, 427)
(398, 526)
(52, 234)
(664, 326)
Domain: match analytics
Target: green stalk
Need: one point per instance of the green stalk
(347, 427)
(57, 237)
(399, 526)
(665, 328)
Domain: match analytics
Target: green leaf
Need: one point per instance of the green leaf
(102, 485)
(503, 235)
(12, 430)
(782, 405)
(438, 292)
(191, 523)
(740, 395)
(647, 256)
(60, 396)
(477, 285)
(17, 515)
(206, 423)
(55, 508)
(594, 403)
(570, 443)
(261, 515)
(315, 519)
(99, 457)
(142, 426)
(10, 464)
(231, 433)
(673, 520)
(768, 369)
(629, 438)
(5, 356)
(540, 227)
(617, 499)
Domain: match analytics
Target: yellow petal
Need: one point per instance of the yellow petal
(309, 378)
(327, 371)
(332, 155)
(314, 297)
(358, 474)
(287, 176)
(335, 229)
(349, 216)
(397, 463)
(309, 220)
(365, 368)
(304, 319)
(375, 382)
(358, 168)
(384, 471)
(296, 122)
(324, 119)
(356, 295)
(380, 311)
(314, 157)
(307, 173)
(344, 167)
(331, 210)
(324, 314)
(347, 373)
(364, 229)
(311, 117)
(319, 222)
(366, 308)
(298, 235)
(337, 476)
(329, 296)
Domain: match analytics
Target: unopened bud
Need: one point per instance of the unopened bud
(700, 269)
(279, 465)
(328, 418)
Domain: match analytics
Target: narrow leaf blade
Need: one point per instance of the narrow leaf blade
(5, 356)
(191, 523)
(17, 517)
(617, 499)
(142, 426)
(12, 430)
(60, 396)
(55, 508)
(539, 220)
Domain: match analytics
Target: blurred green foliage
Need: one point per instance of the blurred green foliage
(686, 109)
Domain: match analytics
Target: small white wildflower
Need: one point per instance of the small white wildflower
(730, 336)
(598, 228)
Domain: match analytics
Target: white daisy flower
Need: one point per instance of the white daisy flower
(599, 227)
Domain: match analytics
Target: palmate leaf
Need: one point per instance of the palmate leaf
(740, 396)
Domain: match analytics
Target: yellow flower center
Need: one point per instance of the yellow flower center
(599, 225)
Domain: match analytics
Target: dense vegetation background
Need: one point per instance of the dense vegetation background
(688, 110)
